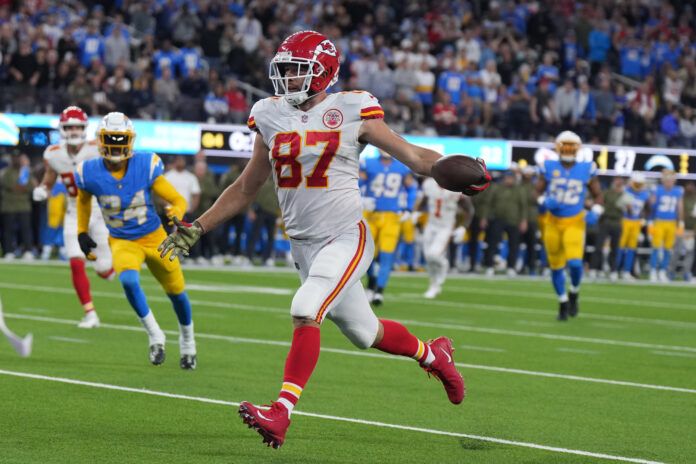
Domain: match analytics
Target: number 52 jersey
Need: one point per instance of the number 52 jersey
(567, 186)
(315, 160)
(126, 203)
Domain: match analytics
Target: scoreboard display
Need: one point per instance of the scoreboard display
(615, 160)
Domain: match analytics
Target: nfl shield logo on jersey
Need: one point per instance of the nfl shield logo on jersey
(333, 118)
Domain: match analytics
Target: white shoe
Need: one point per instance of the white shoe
(490, 272)
(369, 294)
(270, 262)
(9, 257)
(653, 275)
(662, 276)
(89, 321)
(28, 256)
(511, 273)
(432, 292)
(626, 276)
(613, 276)
(592, 274)
(217, 260)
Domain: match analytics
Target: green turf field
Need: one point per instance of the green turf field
(618, 383)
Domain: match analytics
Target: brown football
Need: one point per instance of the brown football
(458, 172)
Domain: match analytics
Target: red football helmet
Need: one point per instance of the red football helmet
(73, 116)
(306, 55)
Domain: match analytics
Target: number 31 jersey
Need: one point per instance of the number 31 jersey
(315, 160)
(568, 186)
(126, 203)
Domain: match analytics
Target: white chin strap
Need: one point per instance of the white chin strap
(568, 158)
(296, 98)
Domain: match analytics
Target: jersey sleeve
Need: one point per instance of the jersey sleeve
(370, 107)
(156, 168)
(593, 169)
(256, 110)
(79, 176)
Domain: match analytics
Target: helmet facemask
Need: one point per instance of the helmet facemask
(115, 146)
(567, 151)
(71, 136)
(285, 69)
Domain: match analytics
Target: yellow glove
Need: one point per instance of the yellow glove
(680, 228)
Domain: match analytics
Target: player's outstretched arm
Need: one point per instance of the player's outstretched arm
(166, 191)
(420, 160)
(43, 190)
(235, 199)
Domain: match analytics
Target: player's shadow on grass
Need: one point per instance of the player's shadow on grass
(474, 445)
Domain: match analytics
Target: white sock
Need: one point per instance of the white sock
(429, 358)
(288, 405)
(153, 329)
(574, 289)
(563, 298)
(187, 342)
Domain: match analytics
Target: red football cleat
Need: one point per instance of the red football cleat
(270, 423)
(443, 369)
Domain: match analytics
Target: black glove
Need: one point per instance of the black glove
(86, 245)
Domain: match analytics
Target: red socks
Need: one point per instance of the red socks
(300, 363)
(398, 340)
(81, 283)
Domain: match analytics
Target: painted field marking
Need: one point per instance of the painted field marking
(536, 323)
(370, 354)
(352, 420)
(483, 348)
(254, 308)
(670, 353)
(574, 350)
(67, 339)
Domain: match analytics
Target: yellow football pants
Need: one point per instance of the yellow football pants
(385, 227)
(564, 239)
(630, 230)
(664, 233)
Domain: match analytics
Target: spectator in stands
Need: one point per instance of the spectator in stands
(605, 109)
(116, 48)
(564, 103)
(445, 115)
(189, 58)
(236, 103)
(688, 76)
(381, 80)
(425, 86)
(672, 86)
(185, 24)
(250, 30)
(263, 215)
(210, 42)
(542, 111)
(142, 98)
(24, 72)
(452, 82)
(16, 185)
(584, 111)
(669, 128)
(490, 81)
(91, 45)
(687, 128)
(609, 228)
(193, 90)
(80, 91)
(216, 105)
(186, 183)
(518, 115)
(507, 214)
(234, 253)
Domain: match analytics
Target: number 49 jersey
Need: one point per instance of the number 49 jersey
(315, 159)
(126, 203)
(567, 186)
(385, 183)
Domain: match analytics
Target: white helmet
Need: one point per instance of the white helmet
(637, 180)
(115, 137)
(567, 145)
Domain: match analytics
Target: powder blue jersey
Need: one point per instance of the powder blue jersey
(384, 182)
(567, 187)
(638, 200)
(666, 201)
(126, 204)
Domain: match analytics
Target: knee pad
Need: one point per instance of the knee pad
(362, 334)
(103, 266)
(308, 299)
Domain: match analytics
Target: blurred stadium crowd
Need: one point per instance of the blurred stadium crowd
(619, 72)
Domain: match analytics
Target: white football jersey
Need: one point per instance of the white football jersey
(442, 204)
(315, 160)
(65, 164)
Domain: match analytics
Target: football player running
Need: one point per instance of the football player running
(667, 208)
(562, 187)
(61, 160)
(123, 182)
(442, 217)
(384, 179)
(636, 204)
(310, 141)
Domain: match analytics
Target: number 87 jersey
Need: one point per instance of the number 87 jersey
(567, 186)
(315, 159)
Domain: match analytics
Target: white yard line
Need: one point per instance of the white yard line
(370, 354)
(222, 288)
(574, 350)
(254, 308)
(201, 399)
(669, 353)
(35, 310)
(482, 348)
(536, 323)
(468, 306)
(68, 339)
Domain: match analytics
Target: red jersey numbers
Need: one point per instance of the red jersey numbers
(68, 179)
(287, 148)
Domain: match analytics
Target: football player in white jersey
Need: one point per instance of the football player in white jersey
(310, 142)
(442, 218)
(61, 160)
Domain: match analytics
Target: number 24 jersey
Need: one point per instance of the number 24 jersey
(315, 160)
(126, 203)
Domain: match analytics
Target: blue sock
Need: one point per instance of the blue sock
(385, 267)
(408, 253)
(558, 279)
(628, 260)
(575, 268)
(182, 307)
(130, 280)
(666, 257)
(653, 258)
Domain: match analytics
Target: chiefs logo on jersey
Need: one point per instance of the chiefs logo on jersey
(333, 118)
